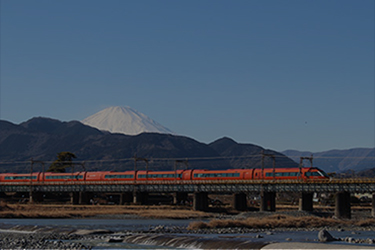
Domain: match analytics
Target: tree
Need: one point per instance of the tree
(64, 160)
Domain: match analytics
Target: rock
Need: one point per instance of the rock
(325, 236)
(89, 232)
(112, 240)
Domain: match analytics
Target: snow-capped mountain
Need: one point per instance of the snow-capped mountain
(124, 120)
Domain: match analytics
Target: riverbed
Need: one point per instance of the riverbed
(139, 233)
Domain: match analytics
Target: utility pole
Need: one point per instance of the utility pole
(135, 165)
(31, 178)
(301, 163)
(274, 163)
(175, 166)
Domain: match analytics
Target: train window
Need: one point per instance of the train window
(312, 174)
(122, 176)
(160, 176)
(19, 178)
(323, 174)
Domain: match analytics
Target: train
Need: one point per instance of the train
(305, 173)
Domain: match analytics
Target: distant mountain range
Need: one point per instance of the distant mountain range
(112, 137)
(42, 138)
(357, 159)
(124, 120)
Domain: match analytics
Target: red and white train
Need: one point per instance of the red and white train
(181, 175)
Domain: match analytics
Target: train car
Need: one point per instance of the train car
(13, 177)
(314, 173)
(280, 173)
(55, 177)
(96, 176)
(159, 175)
(290, 174)
(230, 174)
(118, 176)
(185, 175)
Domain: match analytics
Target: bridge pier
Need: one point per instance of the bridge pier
(180, 198)
(74, 197)
(240, 202)
(80, 198)
(140, 198)
(342, 205)
(200, 201)
(306, 202)
(36, 197)
(268, 201)
(83, 198)
(126, 198)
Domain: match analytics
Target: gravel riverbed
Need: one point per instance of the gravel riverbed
(44, 237)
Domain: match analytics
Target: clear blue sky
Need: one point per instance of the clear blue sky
(280, 74)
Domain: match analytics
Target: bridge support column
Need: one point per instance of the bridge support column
(268, 201)
(74, 198)
(140, 198)
(36, 197)
(373, 205)
(240, 202)
(180, 198)
(200, 201)
(126, 198)
(2, 196)
(83, 198)
(306, 202)
(342, 205)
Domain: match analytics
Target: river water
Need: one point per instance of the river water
(148, 241)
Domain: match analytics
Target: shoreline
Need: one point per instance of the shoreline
(253, 236)
(218, 219)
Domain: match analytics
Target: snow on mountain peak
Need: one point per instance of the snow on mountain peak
(124, 120)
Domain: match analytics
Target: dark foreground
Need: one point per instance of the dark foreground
(39, 241)
(232, 234)
(11, 240)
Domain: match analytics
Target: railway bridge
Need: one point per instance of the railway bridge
(137, 192)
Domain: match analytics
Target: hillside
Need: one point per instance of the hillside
(42, 138)
(248, 155)
(356, 159)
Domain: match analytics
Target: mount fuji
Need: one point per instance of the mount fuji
(124, 120)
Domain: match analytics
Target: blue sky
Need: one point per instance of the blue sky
(279, 74)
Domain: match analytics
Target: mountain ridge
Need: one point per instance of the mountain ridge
(124, 120)
(42, 138)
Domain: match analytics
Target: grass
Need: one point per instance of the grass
(172, 212)
(279, 221)
(82, 211)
